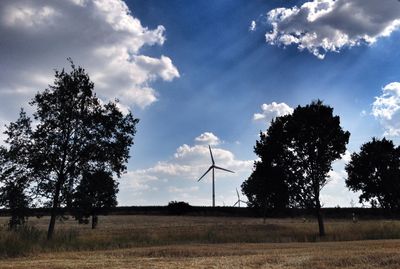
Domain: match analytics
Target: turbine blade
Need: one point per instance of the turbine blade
(205, 173)
(212, 157)
(236, 203)
(220, 168)
(243, 201)
(237, 194)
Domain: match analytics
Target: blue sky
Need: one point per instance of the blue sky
(196, 74)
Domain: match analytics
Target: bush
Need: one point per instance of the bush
(178, 208)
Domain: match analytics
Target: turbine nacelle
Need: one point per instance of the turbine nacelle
(213, 166)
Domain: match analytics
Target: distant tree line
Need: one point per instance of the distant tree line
(67, 155)
(296, 155)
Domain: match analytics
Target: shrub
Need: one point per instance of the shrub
(178, 208)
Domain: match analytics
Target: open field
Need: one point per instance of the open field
(323, 255)
(203, 242)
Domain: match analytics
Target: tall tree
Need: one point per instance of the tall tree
(298, 150)
(75, 132)
(96, 193)
(375, 171)
(315, 139)
(15, 177)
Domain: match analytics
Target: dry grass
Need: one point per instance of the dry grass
(178, 229)
(202, 242)
(323, 255)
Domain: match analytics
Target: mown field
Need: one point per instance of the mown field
(325, 255)
(202, 242)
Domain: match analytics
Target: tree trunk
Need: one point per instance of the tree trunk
(265, 212)
(69, 193)
(54, 209)
(94, 221)
(320, 219)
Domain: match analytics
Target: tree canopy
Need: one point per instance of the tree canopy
(375, 171)
(75, 133)
(15, 179)
(268, 185)
(296, 156)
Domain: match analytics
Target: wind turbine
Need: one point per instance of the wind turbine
(238, 201)
(213, 167)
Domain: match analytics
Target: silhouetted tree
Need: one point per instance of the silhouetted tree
(75, 132)
(315, 139)
(297, 154)
(14, 185)
(14, 171)
(268, 185)
(375, 171)
(96, 193)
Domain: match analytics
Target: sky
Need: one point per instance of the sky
(206, 72)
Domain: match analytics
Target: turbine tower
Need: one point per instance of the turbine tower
(238, 200)
(213, 167)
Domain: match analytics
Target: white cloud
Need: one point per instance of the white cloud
(338, 173)
(29, 16)
(208, 138)
(137, 180)
(103, 36)
(335, 192)
(162, 67)
(386, 108)
(346, 157)
(253, 26)
(198, 158)
(336, 176)
(167, 169)
(189, 162)
(321, 26)
(182, 170)
(173, 189)
(270, 111)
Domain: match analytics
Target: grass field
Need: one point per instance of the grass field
(202, 242)
(325, 255)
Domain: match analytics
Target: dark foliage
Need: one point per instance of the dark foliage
(15, 178)
(296, 156)
(178, 208)
(267, 187)
(316, 139)
(96, 193)
(375, 171)
(75, 134)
